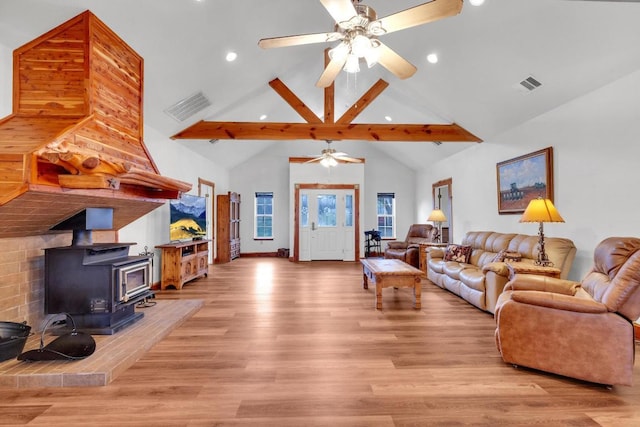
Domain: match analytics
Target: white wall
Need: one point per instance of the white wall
(175, 161)
(596, 142)
(6, 80)
(269, 171)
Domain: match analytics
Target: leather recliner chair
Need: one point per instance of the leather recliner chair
(408, 250)
(579, 330)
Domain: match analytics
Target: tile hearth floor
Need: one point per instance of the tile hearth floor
(113, 355)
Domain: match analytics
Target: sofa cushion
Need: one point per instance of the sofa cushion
(473, 278)
(436, 265)
(458, 253)
(453, 268)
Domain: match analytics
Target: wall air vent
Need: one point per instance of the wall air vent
(529, 84)
(187, 107)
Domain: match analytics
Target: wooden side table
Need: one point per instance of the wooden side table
(525, 268)
(422, 265)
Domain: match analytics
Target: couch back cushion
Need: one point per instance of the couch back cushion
(485, 245)
(561, 252)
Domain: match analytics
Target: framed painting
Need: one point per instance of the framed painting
(524, 178)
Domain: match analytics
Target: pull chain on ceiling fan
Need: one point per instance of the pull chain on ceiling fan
(358, 28)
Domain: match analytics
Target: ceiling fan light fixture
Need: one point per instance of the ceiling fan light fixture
(340, 51)
(328, 162)
(372, 56)
(353, 64)
(360, 45)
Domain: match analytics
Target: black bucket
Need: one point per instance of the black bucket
(13, 337)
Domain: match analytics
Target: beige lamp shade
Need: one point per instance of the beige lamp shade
(437, 215)
(541, 210)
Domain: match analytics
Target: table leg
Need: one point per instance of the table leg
(365, 280)
(417, 294)
(378, 295)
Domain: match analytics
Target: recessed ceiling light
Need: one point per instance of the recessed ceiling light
(388, 118)
(432, 58)
(263, 117)
(231, 56)
(476, 2)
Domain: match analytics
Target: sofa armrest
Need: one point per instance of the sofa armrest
(558, 301)
(500, 268)
(531, 282)
(435, 252)
(397, 245)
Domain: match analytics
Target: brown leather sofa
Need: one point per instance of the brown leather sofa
(408, 250)
(579, 330)
(481, 280)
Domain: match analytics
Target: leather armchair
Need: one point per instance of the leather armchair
(579, 330)
(408, 250)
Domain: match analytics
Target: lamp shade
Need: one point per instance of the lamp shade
(437, 215)
(541, 210)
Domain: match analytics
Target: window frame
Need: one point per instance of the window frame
(392, 196)
(257, 216)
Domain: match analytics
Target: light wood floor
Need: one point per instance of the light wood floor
(285, 344)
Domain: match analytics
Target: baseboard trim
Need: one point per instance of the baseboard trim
(258, 254)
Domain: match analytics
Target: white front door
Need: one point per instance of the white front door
(326, 225)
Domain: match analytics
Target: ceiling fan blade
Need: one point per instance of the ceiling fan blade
(418, 15)
(316, 159)
(340, 10)
(331, 71)
(395, 63)
(349, 159)
(299, 40)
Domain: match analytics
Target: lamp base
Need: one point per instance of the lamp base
(543, 259)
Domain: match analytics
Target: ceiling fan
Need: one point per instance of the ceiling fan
(357, 28)
(330, 157)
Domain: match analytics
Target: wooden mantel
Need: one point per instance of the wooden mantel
(76, 131)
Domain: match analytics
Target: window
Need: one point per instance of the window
(387, 215)
(263, 216)
(348, 210)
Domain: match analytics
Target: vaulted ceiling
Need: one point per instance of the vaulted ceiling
(570, 46)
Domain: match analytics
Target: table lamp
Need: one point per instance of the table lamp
(541, 210)
(438, 217)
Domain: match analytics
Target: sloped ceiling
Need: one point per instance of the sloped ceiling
(572, 47)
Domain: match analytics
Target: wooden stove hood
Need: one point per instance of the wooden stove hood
(74, 139)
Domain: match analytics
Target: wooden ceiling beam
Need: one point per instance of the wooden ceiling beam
(362, 103)
(324, 131)
(295, 102)
(329, 94)
(327, 128)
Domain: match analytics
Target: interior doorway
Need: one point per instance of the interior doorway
(311, 203)
(326, 225)
(443, 200)
(207, 189)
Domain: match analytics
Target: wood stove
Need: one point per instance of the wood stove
(98, 284)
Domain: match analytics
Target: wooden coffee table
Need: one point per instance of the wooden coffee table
(385, 273)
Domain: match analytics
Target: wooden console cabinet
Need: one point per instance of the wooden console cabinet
(228, 227)
(183, 261)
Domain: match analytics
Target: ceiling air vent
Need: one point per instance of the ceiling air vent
(187, 107)
(529, 84)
